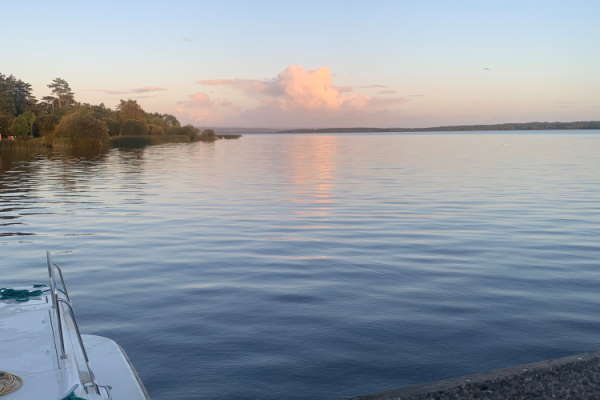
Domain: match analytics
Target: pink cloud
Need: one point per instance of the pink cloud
(199, 108)
(308, 89)
(374, 87)
(145, 89)
(200, 99)
(293, 88)
(295, 97)
(197, 100)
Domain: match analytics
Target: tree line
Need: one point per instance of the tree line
(518, 126)
(60, 115)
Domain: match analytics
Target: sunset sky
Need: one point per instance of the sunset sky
(316, 63)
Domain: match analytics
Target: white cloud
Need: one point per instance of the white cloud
(295, 97)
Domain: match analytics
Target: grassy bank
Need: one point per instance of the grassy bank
(140, 141)
(29, 144)
(60, 144)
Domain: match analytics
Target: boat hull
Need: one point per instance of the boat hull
(112, 366)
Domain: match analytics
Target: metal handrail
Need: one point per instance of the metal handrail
(80, 340)
(62, 281)
(72, 313)
(56, 304)
(107, 389)
(53, 286)
(51, 279)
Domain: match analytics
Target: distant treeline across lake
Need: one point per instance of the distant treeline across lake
(525, 126)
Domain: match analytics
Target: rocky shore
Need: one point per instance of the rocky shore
(572, 377)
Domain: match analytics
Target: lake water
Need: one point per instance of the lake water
(319, 266)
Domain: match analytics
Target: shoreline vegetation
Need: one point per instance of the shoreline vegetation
(523, 126)
(58, 121)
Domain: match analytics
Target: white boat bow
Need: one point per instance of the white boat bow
(44, 355)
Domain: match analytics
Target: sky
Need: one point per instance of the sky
(285, 64)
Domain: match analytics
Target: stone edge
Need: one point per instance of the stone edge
(477, 378)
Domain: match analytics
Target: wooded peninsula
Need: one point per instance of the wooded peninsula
(524, 126)
(59, 120)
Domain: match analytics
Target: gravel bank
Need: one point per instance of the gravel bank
(572, 377)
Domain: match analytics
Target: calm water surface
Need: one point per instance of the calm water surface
(318, 267)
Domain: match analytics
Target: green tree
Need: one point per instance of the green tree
(45, 124)
(19, 128)
(187, 130)
(207, 135)
(165, 120)
(154, 129)
(15, 96)
(22, 126)
(130, 109)
(30, 118)
(103, 113)
(49, 104)
(171, 121)
(114, 126)
(62, 95)
(133, 127)
(100, 111)
(83, 130)
(5, 122)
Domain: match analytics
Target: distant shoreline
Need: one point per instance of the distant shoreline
(526, 126)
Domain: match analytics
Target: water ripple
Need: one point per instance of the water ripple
(318, 267)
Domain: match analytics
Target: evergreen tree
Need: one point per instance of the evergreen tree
(15, 96)
(62, 95)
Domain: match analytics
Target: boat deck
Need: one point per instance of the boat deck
(29, 351)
